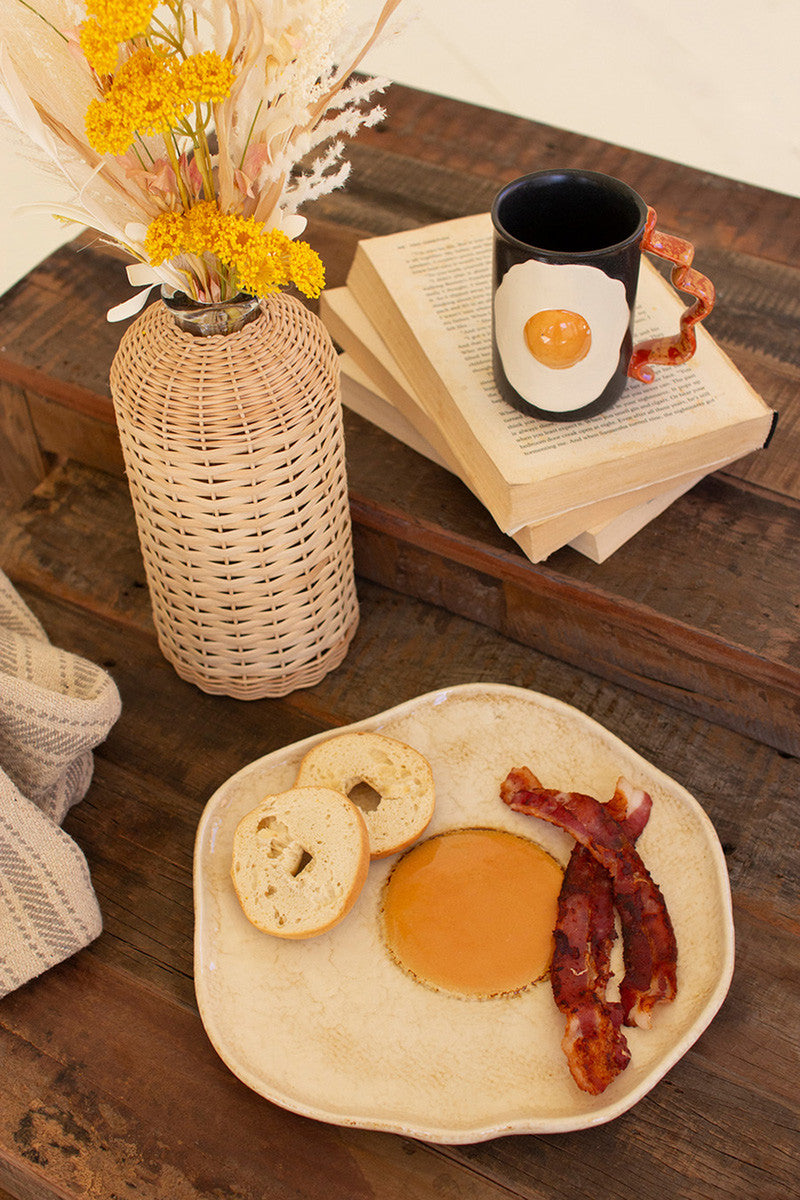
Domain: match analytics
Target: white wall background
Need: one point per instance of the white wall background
(711, 83)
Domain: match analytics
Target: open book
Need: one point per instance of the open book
(428, 295)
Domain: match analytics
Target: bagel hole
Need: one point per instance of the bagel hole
(364, 796)
(305, 859)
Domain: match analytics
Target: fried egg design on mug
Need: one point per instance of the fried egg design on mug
(559, 330)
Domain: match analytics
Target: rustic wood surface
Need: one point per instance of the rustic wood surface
(685, 644)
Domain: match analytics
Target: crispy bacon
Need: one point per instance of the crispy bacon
(594, 1044)
(649, 947)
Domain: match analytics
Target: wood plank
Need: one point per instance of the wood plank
(777, 467)
(22, 465)
(135, 1127)
(744, 307)
(461, 156)
(56, 340)
(67, 361)
(631, 644)
(755, 320)
(66, 433)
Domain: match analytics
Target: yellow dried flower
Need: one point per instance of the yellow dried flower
(122, 19)
(205, 77)
(165, 237)
(269, 261)
(100, 50)
(245, 249)
(108, 127)
(262, 262)
(143, 98)
(146, 87)
(279, 248)
(204, 229)
(306, 269)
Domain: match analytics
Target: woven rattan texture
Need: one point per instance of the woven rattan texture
(234, 450)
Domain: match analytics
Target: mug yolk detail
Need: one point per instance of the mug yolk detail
(557, 338)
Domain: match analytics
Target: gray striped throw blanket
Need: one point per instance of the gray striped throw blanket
(55, 707)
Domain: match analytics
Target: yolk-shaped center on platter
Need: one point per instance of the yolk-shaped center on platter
(557, 338)
(472, 911)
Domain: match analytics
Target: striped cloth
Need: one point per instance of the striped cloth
(54, 709)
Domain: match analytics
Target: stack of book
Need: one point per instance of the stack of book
(414, 322)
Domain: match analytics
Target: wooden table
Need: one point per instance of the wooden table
(684, 643)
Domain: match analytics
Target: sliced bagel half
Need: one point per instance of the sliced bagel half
(398, 776)
(300, 859)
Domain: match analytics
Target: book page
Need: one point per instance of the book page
(441, 279)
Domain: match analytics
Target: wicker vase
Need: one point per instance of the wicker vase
(231, 429)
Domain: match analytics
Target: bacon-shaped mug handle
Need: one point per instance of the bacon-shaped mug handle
(680, 347)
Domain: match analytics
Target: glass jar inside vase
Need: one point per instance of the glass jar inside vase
(205, 320)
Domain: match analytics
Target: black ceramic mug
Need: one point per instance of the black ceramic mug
(567, 248)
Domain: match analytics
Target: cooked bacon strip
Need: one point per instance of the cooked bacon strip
(650, 950)
(595, 1046)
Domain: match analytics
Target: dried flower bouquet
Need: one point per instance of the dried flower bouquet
(180, 128)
